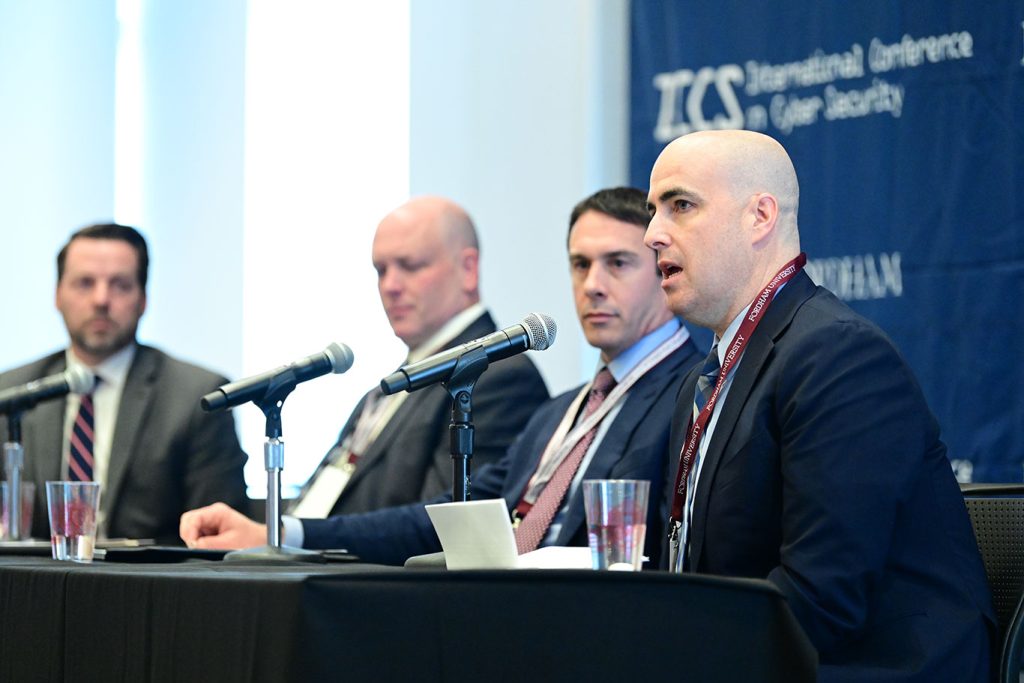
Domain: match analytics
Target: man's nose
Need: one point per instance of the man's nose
(655, 237)
(101, 294)
(391, 282)
(594, 284)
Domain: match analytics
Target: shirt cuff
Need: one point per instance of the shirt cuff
(293, 535)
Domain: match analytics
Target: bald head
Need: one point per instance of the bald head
(426, 255)
(724, 220)
(449, 222)
(747, 163)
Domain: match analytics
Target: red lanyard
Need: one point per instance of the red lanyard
(739, 342)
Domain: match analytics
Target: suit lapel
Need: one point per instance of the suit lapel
(525, 466)
(758, 350)
(326, 461)
(136, 401)
(417, 402)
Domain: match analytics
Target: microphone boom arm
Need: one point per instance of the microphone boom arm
(468, 368)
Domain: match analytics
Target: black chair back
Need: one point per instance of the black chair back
(997, 513)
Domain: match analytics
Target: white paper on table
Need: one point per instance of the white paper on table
(557, 557)
(477, 534)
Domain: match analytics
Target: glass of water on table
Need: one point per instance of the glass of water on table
(73, 507)
(616, 522)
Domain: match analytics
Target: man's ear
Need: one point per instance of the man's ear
(469, 265)
(764, 214)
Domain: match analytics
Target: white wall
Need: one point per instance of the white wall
(56, 154)
(190, 184)
(327, 154)
(517, 111)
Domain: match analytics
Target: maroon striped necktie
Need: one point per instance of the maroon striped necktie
(80, 459)
(537, 521)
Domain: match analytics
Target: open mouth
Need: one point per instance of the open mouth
(668, 269)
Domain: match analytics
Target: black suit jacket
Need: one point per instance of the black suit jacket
(633, 447)
(410, 460)
(167, 456)
(825, 474)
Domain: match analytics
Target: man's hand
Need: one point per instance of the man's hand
(218, 526)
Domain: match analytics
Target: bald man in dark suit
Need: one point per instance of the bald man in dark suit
(806, 453)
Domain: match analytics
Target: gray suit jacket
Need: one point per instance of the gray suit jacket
(168, 456)
(410, 460)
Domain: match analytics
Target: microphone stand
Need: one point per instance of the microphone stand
(460, 385)
(14, 460)
(273, 457)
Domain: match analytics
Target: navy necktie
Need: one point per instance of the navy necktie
(706, 382)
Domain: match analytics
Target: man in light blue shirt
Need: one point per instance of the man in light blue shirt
(616, 286)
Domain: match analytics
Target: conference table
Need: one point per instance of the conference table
(203, 620)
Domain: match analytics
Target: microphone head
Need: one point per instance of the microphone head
(340, 356)
(540, 329)
(79, 379)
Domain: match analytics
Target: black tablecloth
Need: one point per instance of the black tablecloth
(216, 621)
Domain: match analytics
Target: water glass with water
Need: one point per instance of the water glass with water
(73, 507)
(616, 522)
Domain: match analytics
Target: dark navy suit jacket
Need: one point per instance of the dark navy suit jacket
(825, 474)
(634, 447)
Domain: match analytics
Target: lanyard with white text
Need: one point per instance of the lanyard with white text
(739, 342)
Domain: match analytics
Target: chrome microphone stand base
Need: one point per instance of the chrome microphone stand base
(269, 554)
(273, 455)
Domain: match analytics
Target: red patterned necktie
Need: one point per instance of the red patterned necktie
(80, 459)
(535, 524)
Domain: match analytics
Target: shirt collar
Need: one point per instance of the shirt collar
(455, 326)
(113, 371)
(631, 357)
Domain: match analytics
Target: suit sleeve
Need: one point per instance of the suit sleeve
(386, 536)
(392, 535)
(853, 428)
(504, 399)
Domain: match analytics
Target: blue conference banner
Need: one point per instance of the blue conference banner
(905, 121)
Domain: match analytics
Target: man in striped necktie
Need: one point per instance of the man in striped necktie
(140, 432)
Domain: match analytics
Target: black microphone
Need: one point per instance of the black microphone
(537, 332)
(74, 380)
(336, 358)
